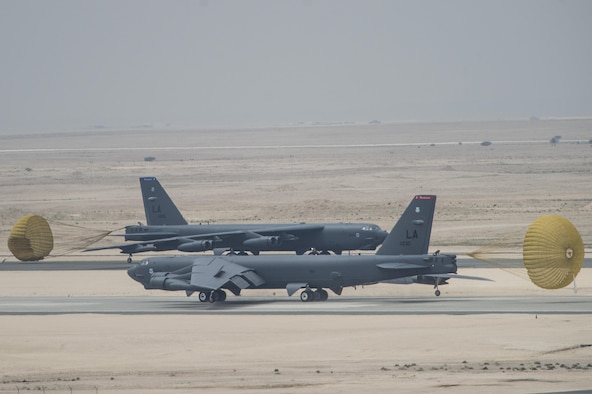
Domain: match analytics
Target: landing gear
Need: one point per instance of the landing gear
(232, 252)
(309, 295)
(129, 259)
(437, 293)
(212, 296)
(317, 252)
(306, 295)
(436, 283)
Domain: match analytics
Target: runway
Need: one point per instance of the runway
(280, 304)
(365, 305)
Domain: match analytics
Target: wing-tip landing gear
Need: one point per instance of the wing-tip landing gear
(129, 259)
(309, 295)
(436, 283)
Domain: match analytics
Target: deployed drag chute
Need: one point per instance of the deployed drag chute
(553, 252)
(31, 238)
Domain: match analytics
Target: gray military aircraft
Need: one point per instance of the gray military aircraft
(167, 229)
(402, 255)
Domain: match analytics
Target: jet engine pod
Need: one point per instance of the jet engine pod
(195, 246)
(553, 252)
(31, 238)
(166, 283)
(262, 242)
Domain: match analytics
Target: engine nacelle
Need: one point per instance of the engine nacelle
(261, 242)
(402, 281)
(166, 283)
(196, 246)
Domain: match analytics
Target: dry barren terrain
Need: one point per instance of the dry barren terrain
(87, 182)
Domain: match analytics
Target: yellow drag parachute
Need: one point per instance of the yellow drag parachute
(31, 238)
(553, 252)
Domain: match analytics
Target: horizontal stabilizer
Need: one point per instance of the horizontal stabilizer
(400, 266)
(456, 276)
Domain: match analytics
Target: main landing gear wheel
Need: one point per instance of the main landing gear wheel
(212, 296)
(217, 296)
(306, 296)
(319, 295)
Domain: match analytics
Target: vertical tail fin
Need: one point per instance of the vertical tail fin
(411, 234)
(158, 206)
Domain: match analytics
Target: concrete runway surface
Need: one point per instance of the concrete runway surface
(246, 305)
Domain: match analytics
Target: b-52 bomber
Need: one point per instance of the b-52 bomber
(167, 229)
(402, 255)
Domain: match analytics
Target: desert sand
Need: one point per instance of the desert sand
(487, 197)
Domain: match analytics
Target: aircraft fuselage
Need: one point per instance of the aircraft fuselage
(279, 271)
(262, 237)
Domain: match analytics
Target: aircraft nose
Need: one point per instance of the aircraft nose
(133, 273)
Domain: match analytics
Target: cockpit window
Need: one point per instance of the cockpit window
(144, 262)
(370, 228)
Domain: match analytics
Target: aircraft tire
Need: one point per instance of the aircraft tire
(217, 296)
(306, 296)
(222, 294)
(437, 293)
(323, 295)
(316, 296)
(214, 296)
(203, 296)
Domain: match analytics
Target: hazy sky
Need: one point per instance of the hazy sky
(71, 64)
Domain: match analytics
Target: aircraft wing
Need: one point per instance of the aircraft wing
(132, 247)
(218, 273)
(290, 229)
(154, 244)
